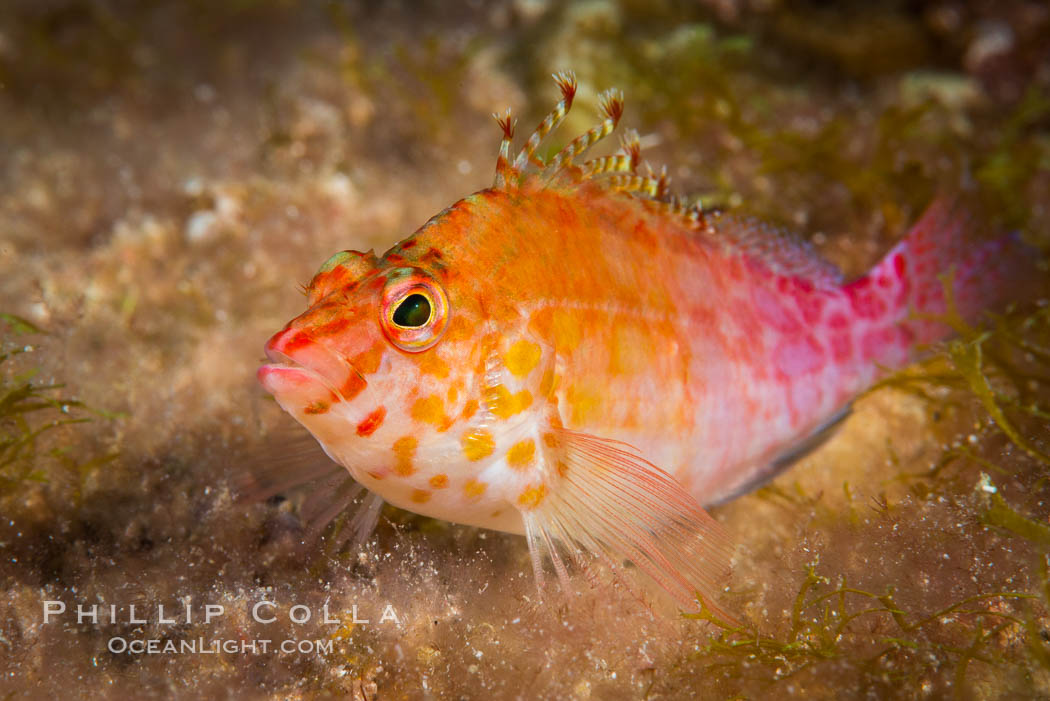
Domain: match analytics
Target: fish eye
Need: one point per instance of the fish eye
(414, 310)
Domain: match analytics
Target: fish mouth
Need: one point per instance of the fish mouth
(283, 376)
(305, 370)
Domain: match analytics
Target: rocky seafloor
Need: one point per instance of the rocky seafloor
(170, 172)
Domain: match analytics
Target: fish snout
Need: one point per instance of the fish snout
(298, 361)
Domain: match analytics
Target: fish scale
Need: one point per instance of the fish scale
(575, 356)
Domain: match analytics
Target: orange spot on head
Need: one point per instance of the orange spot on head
(504, 404)
(429, 410)
(522, 357)
(477, 444)
(439, 481)
(297, 341)
(470, 408)
(404, 451)
(420, 496)
(521, 454)
(531, 497)
(371, 422)
(368, 362)
(498, 399)
(473, 489)
(353, 386)
(332, 327)
(430, 363)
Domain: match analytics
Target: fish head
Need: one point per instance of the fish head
(352, 353)
(386, 369)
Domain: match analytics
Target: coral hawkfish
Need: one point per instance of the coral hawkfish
(577, 356)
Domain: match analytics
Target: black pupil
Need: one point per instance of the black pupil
(413, 311)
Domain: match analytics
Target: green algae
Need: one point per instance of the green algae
(30, 410)
(1019, 152)
(1001, 515)
(968, 359)
(832, 621)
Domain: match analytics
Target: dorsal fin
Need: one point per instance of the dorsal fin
(510, 173)
(782, 251)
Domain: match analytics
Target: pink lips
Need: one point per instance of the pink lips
(303, 370)
(284, 381)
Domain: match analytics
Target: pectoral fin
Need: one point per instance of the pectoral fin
(604, 501)
(293, 462)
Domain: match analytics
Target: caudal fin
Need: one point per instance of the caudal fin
(983, 275)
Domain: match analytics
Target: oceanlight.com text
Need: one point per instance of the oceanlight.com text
(200, 646)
